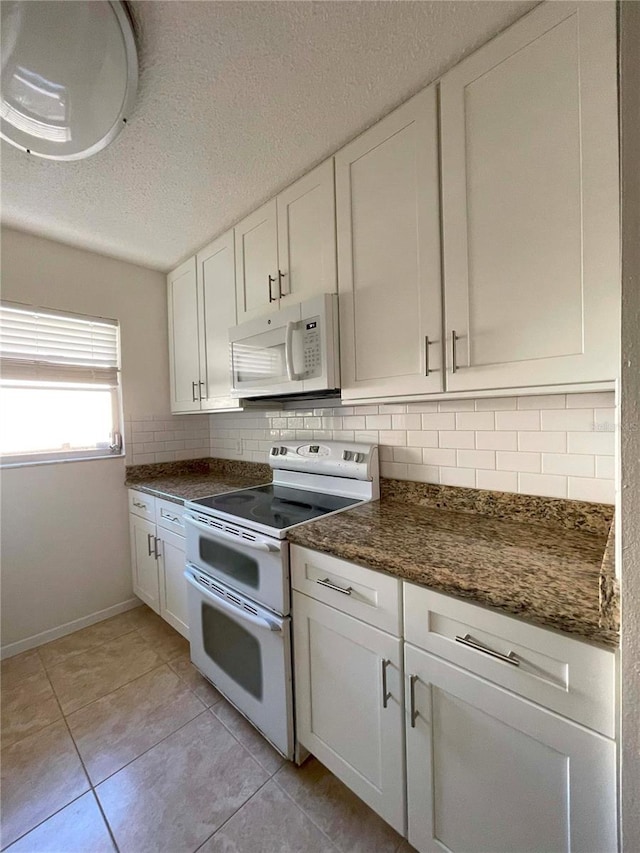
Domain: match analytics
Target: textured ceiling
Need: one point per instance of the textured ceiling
(236, 100)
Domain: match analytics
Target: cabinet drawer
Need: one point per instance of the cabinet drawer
(370, 596)
(170, 515)
(142, 504)
(565, 675)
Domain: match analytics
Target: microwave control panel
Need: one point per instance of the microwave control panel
(311, 346)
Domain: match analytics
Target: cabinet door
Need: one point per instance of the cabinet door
(184, 355)
(340, 708)
(143, 561)
(307, 236)
(257, 263)
(487, 770)
(387, 195)
(217, 314)
(173, 586)
(530, 203)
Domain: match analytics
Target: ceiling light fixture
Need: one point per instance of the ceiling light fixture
(69, 75)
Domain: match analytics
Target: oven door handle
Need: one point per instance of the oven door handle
(223, 604)
(220, 534)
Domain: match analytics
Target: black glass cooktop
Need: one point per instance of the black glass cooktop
(275, 506)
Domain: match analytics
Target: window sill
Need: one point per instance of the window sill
(32, 463)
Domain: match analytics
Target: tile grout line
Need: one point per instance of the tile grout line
(305, 813)
(240, 807)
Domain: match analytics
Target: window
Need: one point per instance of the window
(59, 386)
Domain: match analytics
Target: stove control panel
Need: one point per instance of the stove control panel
(354, 460)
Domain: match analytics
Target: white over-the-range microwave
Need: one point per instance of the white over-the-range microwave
(292, 351)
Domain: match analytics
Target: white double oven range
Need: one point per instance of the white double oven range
(237, 572)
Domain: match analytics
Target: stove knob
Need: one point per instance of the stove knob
(283, 451)
(358, 457)
(347, 455)
(274, 451)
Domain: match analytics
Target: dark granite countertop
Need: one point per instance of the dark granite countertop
(186, 481)
(546, 560)
(549, 573)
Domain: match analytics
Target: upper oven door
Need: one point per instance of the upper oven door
(255, 565)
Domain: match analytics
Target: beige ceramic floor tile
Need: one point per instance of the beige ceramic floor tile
(28, 702)
(270, 823)
(40, 774)
(78, 828)
(350, 824)
(86, 677)
(205, 691)
(60, 650)
(119, 727)
(164, 640)
(259, 748)
(175, 796)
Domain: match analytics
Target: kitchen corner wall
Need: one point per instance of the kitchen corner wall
(557, 445)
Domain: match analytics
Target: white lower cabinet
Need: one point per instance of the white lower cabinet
(158, 557)
(490, 771)
(349, 703)
(143, 561)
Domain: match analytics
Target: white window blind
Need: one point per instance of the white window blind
(44, 346)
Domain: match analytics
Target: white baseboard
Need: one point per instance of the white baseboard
(12, 649)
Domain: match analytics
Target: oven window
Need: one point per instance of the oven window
(233, 649)
(240, 567)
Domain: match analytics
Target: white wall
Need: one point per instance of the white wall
(65, 541)
(630, 425)
(559, 445)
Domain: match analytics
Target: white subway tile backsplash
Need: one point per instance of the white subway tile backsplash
(569, 464)
(599, 443)
(543, 484)
(554, 444)
(591, 489)
(577, 420)
(500, 481)
(525, 462)
(543, 401)
(457, 439)
(476, 420)
(425, 438)
(441, 420)
(497, 440)
(458, 477)
(476, 459)
(518, 420)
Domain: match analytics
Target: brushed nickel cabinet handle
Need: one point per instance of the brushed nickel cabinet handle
(427, 344)
(454, 351)
(150, 548)
(413, 714)
(386, 695)
(194, 385)
(281, 275)
(156, 550)
(326, 582)
(200, 384)
(272, 280)
(468, 640)
(139, 504)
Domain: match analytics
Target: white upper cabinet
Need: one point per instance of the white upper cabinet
(530, 203)
(307, 236)
(257, 263)
(286, 250)
(202, 309)
(217, 314)
(387, 197)
(184, 354)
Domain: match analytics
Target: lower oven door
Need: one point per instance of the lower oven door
(245, 651)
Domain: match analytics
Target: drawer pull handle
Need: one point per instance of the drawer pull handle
(150, 547)
(170, 517)
(412, 700)
(326, 582)
(140, 505)
(386, 694)
(468, 640)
